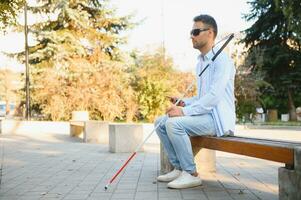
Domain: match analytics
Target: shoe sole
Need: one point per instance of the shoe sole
(167, 180)
(185, 186)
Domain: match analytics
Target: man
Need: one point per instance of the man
(211, 112)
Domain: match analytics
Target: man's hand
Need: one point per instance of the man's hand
(175, 99)
(174, 111)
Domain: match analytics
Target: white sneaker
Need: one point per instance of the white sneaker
(169, 176)
(185, 180)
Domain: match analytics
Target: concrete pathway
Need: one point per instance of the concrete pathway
(55, 166)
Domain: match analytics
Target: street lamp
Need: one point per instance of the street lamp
(27, 114)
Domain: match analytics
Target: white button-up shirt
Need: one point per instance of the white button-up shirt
(215, 92)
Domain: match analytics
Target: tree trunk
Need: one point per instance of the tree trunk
(7, 109)
(291, 106)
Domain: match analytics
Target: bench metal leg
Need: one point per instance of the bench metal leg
(290, 179)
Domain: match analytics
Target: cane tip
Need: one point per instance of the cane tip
(106, 188)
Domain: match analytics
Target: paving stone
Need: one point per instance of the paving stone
(98, 196)
(146, 195)
(242, 195)
(170, 194)
(48, 169)
(218, 195)
(123, 196)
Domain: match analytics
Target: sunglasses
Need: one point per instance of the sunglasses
(197, 31)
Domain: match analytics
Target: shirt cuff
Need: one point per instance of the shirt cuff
(187, 110)
(187, 102)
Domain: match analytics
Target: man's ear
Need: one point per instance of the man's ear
(211, 33)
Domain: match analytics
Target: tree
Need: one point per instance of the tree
(276, 32)
(9, 11)
(9, 85)
(249, 84)
(98, 85)
(76, 62)
(154, 79)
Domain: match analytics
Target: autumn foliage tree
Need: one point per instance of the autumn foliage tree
(95, 84)
(76, 62)
(154, 79)
(9, 86)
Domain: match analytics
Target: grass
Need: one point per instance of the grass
(279, 123)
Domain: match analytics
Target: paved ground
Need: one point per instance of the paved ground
(58, 167)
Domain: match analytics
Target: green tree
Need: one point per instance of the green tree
(76, 62)
(276, 32)
(249, 84)
(9, 11)
(154, 79)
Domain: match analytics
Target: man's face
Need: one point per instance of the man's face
(200, 40)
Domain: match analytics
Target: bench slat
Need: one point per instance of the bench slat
(266, 149)
(268, 142)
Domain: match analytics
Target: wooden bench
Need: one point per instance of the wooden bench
(289, 153)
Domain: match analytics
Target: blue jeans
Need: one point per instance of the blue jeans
(174, 133)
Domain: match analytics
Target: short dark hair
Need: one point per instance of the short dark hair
(208, 20)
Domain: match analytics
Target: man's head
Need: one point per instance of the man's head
(203, 32)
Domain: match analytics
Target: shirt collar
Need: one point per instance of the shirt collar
(207, 56)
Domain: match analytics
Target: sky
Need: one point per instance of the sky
(169, 22)
(165, 22)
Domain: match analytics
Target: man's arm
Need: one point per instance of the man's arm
(189, 101)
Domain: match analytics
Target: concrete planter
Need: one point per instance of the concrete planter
(285, 117)
(125, 137)
(298, 112)
(77, 129)
(33, 127)
(96, 132)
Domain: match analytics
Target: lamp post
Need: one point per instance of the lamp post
(163, 30)
(27, 114)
